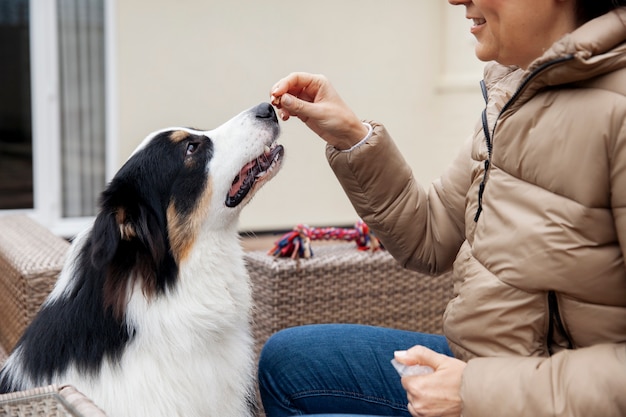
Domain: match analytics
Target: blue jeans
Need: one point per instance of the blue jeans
(337, 369)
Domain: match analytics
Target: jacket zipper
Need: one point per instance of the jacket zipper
(526, 82)
(489, 135)
(556, 321)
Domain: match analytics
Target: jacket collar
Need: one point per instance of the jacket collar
(595, 48)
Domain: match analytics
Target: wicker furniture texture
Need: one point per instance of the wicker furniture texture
(31, 258)
(3, 355)
(342, 284)
(49, 401)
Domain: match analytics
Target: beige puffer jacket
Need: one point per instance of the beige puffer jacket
(540, 314)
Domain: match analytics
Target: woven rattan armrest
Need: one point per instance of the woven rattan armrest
(31, 258)
(49, 401)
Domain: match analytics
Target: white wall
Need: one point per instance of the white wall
(406, 63)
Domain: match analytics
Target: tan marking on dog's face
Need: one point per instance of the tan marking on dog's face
(179, 135)
(183, 230)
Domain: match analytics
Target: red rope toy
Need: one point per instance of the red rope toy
(297, 243)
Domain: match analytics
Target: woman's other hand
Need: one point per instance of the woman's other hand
(313, 100)
(437, 393)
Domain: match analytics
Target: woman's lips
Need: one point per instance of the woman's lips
(477, 23)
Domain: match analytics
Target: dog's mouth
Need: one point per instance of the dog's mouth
(259, 170)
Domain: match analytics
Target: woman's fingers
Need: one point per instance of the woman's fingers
(313, 100)
(292, 94)
(300, 84)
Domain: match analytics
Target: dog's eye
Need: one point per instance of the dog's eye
(192, 147)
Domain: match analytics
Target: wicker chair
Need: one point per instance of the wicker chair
(343, 284)
(31, 258)
(338, 284)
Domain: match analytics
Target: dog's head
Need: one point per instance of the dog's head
(178, 183)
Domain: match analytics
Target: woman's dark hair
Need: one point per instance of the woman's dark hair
(590, 9)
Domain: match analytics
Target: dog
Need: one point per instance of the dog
(150, 314)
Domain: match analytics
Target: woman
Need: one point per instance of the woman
(531, 216)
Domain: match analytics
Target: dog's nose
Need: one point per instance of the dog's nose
(265, 111)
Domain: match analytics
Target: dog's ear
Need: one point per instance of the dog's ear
(105, 239)
(114, 226)
(105, 246)
(129, 242)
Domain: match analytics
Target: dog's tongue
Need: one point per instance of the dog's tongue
(242, 178)
(245, 180)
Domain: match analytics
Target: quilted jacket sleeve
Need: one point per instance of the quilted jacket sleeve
(582, 382)
(422, 229)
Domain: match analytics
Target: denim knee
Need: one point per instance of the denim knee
(274, 372)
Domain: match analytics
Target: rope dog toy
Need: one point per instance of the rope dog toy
(297, 243)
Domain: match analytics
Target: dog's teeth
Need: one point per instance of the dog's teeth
(267, 149)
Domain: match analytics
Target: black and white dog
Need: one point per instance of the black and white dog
(150, 315)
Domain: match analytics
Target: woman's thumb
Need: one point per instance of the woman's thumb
(420, 355)
(290, 103)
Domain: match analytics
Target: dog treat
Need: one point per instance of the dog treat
(406, 370)
(276, 101)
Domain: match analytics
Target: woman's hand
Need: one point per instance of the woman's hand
(435, 394)
(313, 100)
